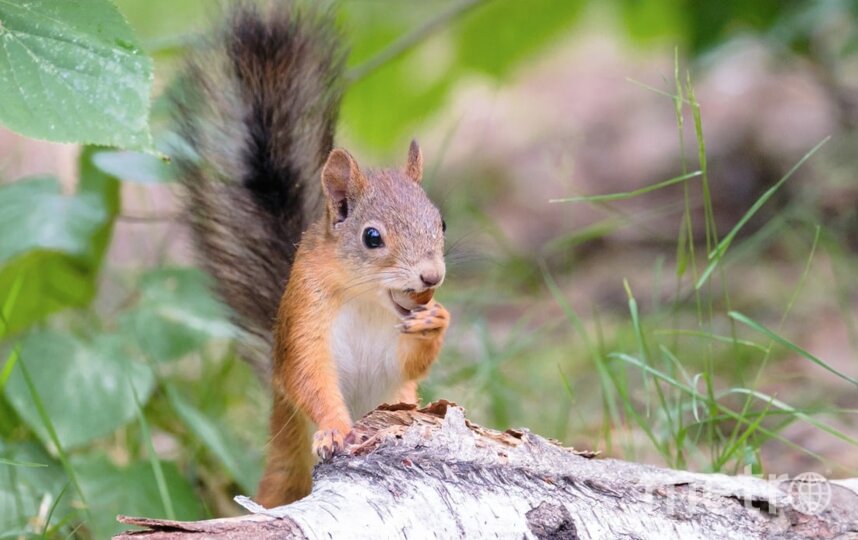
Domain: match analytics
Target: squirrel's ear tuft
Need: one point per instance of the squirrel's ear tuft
(341, 178)
(414, 167)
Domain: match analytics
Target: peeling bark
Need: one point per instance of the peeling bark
(429, 472)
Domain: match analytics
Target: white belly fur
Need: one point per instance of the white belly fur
(364, 342)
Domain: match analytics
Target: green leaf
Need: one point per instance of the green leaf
(73, 72)
(176, 314)
(243, 464)
(50, 281)
(132, 490)
(53, 244)
(648, 20)
(504, 32)
(22, 489)
(83, 385)
(382, 108)
(97, 183)
(35, 214)
(135, 167)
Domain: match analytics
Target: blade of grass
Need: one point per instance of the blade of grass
(788, 344)
(14, 463)
(789, 306)
(52, 433)
(5, 314)
(11, 360)
(53, 509)
(738, 443)
(9, 303)
(628, 194)
(795, 412)
(74, 531)
(725, 410)
(708, 210)
(157, 470)
(718, 253)
(654, 89)
(709, 335)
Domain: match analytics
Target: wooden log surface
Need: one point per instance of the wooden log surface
(430, 473)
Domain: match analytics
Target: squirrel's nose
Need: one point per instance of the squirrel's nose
(430, 279)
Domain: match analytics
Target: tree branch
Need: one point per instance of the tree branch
(420, 470)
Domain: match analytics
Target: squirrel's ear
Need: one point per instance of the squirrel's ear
(414, 167)
(341, 177)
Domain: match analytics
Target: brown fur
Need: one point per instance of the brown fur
(257, 107)
(257, 104)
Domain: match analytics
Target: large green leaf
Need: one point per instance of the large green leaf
(379, 108)
(132, 490)
(383, 108)
(650, 20)
(503, 33)
(704, 25)
(176, 313)
(49, 244)
(35, 214)
(49, 281)
(52, 243)
(84, 385)
(28, 476)
(72, 71)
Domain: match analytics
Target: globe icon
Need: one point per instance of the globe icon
(809, 493)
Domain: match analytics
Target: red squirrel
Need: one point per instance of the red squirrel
(329, 267)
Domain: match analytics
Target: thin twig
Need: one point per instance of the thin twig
(406, 42)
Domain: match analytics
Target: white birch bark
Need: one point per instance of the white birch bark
(430, 473)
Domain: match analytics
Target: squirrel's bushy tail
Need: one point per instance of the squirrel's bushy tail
(256, 106)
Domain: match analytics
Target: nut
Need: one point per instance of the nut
(423, 297)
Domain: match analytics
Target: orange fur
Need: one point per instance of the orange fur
(306, 376)
(303, 367)
(288, 471)
(408, 393)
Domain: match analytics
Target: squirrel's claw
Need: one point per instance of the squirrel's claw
(327, 443)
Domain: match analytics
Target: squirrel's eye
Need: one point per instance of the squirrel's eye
(443, 226)
(372, 238)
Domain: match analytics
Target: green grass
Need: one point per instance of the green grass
(676, 393)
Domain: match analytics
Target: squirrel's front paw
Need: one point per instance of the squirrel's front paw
(328, 442)
(426, 321)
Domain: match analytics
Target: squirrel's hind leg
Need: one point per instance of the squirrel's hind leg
(408, 393)
(288, 472)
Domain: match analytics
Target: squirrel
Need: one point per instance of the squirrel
(329, 267)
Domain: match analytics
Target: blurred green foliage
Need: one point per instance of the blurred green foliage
(74, 73)
(76, 441)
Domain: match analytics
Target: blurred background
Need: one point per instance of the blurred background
(650, 254)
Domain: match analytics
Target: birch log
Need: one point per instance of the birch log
(430, 473)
